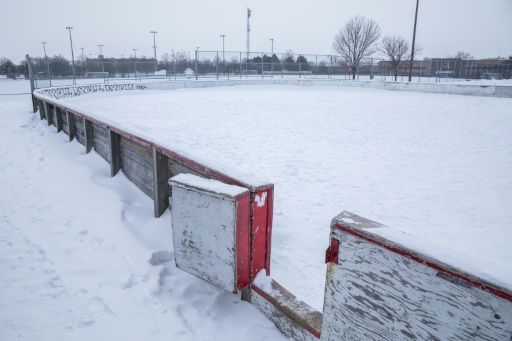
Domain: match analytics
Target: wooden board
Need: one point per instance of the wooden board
(380, 290)
(65, 124)
(79, 129)
(137, 165)
(294, 318)
(101, 142)
(209, 229)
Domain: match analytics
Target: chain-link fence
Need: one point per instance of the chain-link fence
(235, 64)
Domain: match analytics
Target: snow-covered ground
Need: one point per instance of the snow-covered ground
(81, 256)
(434, 166)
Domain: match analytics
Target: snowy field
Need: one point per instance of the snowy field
(437, 167)
(83, 258)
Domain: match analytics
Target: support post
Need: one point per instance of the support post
(115, 152)
(41, 109)
(49, 115)
(58, 118)
(160, 183)
(71, 125)
(87, 135)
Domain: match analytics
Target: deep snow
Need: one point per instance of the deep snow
(83, 258)
(434, 166)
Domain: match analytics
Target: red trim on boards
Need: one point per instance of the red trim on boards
(434, 266)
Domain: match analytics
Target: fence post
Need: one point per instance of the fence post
(71, 125)
(197, 56)
(115, 152)
(41, 109)
(49, 115)
(240, 65)
(87, 135)
(282, 67)
(217, 65)
(58, 118)
(160, 182)
(262, 72)
(32, 84)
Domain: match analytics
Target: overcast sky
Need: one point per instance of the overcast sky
(482, 28)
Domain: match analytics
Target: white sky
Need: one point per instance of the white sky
(482, 28)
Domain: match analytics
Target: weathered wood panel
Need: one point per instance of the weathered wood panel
(175, 168)
(382, 291)
(79, 129)
(205, 231)
(101, 141)
(64, 119)
(294, 318)
(137, 165)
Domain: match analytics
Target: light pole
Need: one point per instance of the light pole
(47, 64)
(84, 69)
(101, 56)
(223, 36)
(413, 40)
(197, 57)
(272, 57)
(154, 41)
(69, 28)
(135, 63)
(223, 59)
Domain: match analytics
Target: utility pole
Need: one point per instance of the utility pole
(197, 57)
(413, 40)
(223, 36)
(135, 63)
(248, 39)
(154, 41)
(272, 57)
(69, 28)
(47, 64)
(101, 56)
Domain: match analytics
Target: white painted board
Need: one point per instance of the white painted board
(376, 294)
(204, 232)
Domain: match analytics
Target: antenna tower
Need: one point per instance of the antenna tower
(248, 32)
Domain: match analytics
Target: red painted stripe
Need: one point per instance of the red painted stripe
(434, 266)
(267, 297)
(270, 216)
(243, 240)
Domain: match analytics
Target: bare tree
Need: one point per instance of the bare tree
(397, 49)
(356, 40)
(463, 55)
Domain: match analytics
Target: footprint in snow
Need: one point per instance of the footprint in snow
(95, 310)
(160, 257)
